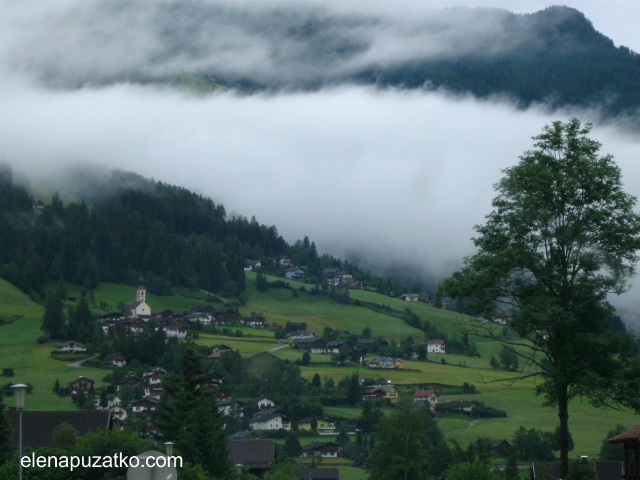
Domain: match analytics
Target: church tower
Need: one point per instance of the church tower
(142, 290)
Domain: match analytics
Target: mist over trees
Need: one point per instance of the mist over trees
(172, 235)
(551, 56)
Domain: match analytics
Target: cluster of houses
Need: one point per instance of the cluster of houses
(333, 277)
(138, 315)
(309, 342)
(416, 297)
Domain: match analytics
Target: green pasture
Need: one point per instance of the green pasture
(114, 293)
(34, 364)
(318, 311)
(244, 345)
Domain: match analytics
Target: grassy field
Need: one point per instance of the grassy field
(34, 364)
(318, 311)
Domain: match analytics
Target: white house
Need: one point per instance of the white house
(410, 297)
(435, 346)
(119, 412)
(116, 359)
(201, 317)
(272, 421)
(265, 402)
(154, 378)
(284, 260)
(143, 405)
(323, 449)
(178, 331)
(295, 273)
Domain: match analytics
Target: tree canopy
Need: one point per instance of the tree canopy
(408, 445)
(562, 236)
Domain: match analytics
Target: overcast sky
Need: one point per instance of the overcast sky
(391, 177)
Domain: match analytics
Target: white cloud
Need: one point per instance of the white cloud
(392, 176)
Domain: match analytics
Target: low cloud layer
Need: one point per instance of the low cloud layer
(68, 43)
(393, 177)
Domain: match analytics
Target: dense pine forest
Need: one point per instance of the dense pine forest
(170, 235)
(566, 62)
(553, 56)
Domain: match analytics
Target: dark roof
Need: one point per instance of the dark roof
(260, 417)
(319, 446)
(319, 474)
(424, 393)
(245, 434)
(256, 454)
(634, 433)
(37, 427)
(309, 341)
(337, 343)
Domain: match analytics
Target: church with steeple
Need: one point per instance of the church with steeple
(139, 308)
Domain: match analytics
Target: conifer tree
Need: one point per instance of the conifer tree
(53, 320)
(190, 418)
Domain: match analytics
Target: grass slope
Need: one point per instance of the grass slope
(34, 364)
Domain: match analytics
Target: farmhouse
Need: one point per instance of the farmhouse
(162, 314)
(175, 330)
(313, 345)
(283, 260)
(324, 426)
(115, 359)
(257, 456)
(385, 362)
(269, 419)
(323, 449)
(264, 402)
(366, 344)
(410, 297)
(334, 346)
(296, 273)
(435, 346)
(143, 405)
(430, 395)
(297, 326)
(80, 385)
(381, 392)
(631, 441)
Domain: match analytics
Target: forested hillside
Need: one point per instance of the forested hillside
(132, 226)
(553, 56)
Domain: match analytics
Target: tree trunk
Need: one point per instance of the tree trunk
(563, 413)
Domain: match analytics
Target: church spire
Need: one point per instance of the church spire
(142, 290)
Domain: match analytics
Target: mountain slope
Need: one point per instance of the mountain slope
(553, 55)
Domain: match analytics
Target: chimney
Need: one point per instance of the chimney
(584, 459)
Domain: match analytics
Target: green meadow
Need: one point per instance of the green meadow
(34, 364)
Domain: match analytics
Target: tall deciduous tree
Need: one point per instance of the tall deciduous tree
(408, 445)
(562, 236)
